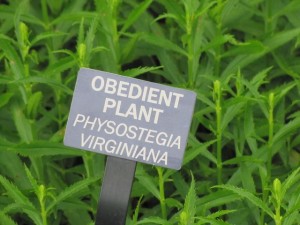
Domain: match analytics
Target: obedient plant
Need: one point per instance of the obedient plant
(241, 164)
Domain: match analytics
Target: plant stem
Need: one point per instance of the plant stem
(277, 196)
(190, 63)
(278, 217)
(190, 47)
(41, 197)
(45, 13)
(217, 90)
(218, 108)
(88, 164)
(162, 193)
(218, 50)
(44, 215)
(115, 36)
(268, 16)
(219, 147)
(269, 149)
(271, 132)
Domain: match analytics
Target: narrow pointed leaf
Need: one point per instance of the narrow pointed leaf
(163, 43)
(290, 180)
(249, 196)
(288, 129)
(71, 191)
(135, 14)
(22, 124)
(15, 193)
(138, 71)
(6, 220)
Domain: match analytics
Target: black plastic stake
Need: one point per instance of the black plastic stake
(115, 192)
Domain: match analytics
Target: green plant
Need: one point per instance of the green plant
(240, 57)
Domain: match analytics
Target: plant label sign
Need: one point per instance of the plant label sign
(129, 118)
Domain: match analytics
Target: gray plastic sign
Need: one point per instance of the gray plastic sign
(129, 118)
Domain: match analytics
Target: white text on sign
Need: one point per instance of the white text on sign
(136, 92)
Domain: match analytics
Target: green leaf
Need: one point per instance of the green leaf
(187, 216)
(127, 51)
(270, 44)
(138, 71)
(173, 203)
(283, 91)
(290, 180)
(204, 99)
(73, 16)
(203, 220)
(281, 38)
(89, 42)
(42, 148)
(293, 208)
(171, 68)
(4, 98)
(5, 80)
(33, 104)
(90, 36)
(250, 47)
(176, 10)
(292, 6)
(259, 79)
(71, 191)
(15, 63)
(201, 149)
(242, 159)
(44, 80)
(32, 180)
(12, 165)
(136, 211)
(249, 196)
(22, 124)
(148, 182)
(180, 184)
(55, 68)
(291, 127)
(80, 37)
(218, 41)
(77, 213)
(6, 220)
(55, 6)
(164, 16)
(162, 42)
(216, 199)
(284, 64)
(154, 220)
(232, 112)
(220, 213)
(135, 14)
(15, 193)
(46, 35)
(7, 38)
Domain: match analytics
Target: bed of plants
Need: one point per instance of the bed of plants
(242, 58)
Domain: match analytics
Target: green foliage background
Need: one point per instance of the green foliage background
(241, 57)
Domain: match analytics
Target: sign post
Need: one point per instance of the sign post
(115, 192)
(130, 120)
